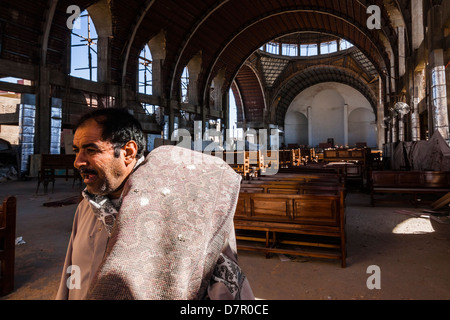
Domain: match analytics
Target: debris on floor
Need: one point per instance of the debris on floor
(19, 241)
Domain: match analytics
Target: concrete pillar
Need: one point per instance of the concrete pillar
(380, 117)
(217, 94)
(401, 128)
(157, 77)
(27, 130)
(439, 93)
(345, 124)
(194, 67)
(417, 25)
(55, 126)
(309, 115)
(103, 60)
(394, 129)
(401, 51)
(415, 100)
(42, 138)
(438, 86)
(157, 46)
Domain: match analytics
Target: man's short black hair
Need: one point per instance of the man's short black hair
(119, 127)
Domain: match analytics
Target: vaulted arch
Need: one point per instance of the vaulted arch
(251, 100)
(315, 75)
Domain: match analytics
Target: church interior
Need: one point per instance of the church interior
(334, 113)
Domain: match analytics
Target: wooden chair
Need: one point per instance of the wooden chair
(7, 244)
(50, 163)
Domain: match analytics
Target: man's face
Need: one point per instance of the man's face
(103, 173)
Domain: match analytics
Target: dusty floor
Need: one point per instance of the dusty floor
(413, 253)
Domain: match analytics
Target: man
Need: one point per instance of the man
(153, 228)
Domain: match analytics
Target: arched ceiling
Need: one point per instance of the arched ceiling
(251, 98)
(315, 75)
(226, 32)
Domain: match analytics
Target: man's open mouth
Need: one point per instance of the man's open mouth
(88, 176)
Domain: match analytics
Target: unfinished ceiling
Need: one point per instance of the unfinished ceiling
(226, 33)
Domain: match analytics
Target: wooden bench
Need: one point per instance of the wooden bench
(284, 223)
(412, 182)
(352, 171)
(304, 176)
(238, 160)
(356, 155)
(51, 163)
(7, 244)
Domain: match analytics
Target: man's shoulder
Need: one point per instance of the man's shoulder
(83, 208)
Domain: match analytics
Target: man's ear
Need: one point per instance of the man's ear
(130, 149)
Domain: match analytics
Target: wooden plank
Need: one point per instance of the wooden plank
(7, 243)
(440, 203)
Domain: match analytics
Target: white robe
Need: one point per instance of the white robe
(85, 251)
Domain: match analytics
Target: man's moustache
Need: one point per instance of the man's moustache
(87, 171)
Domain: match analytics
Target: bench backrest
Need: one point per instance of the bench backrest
(313, 210)
(418, 179)
(7, 244)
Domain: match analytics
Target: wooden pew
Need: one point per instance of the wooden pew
(50, 163)
(271, 161)
(305, 176)
(285, 158)
(238, 160)
(335, 155)
(412, 182)
(352, 171)
(282, 221)
(281, 185)
(255, 160)
(7, 244)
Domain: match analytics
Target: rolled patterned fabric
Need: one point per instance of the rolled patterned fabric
(173, 230)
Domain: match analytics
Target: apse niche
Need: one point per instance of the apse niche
(330, 111)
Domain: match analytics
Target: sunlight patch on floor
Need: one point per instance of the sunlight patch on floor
(419, 225)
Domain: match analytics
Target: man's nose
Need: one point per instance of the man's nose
(80, 160)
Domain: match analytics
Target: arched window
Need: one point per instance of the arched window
(307, 50)
(344, 45)
(232, 124)
(328, 47)
(145, 71)
(289, 49)
(273, 48)
(84, 37)
(185, 85)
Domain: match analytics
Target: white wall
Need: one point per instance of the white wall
(296, 128)
(327, 102)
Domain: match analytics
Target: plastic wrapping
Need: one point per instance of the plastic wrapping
(27, 114)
